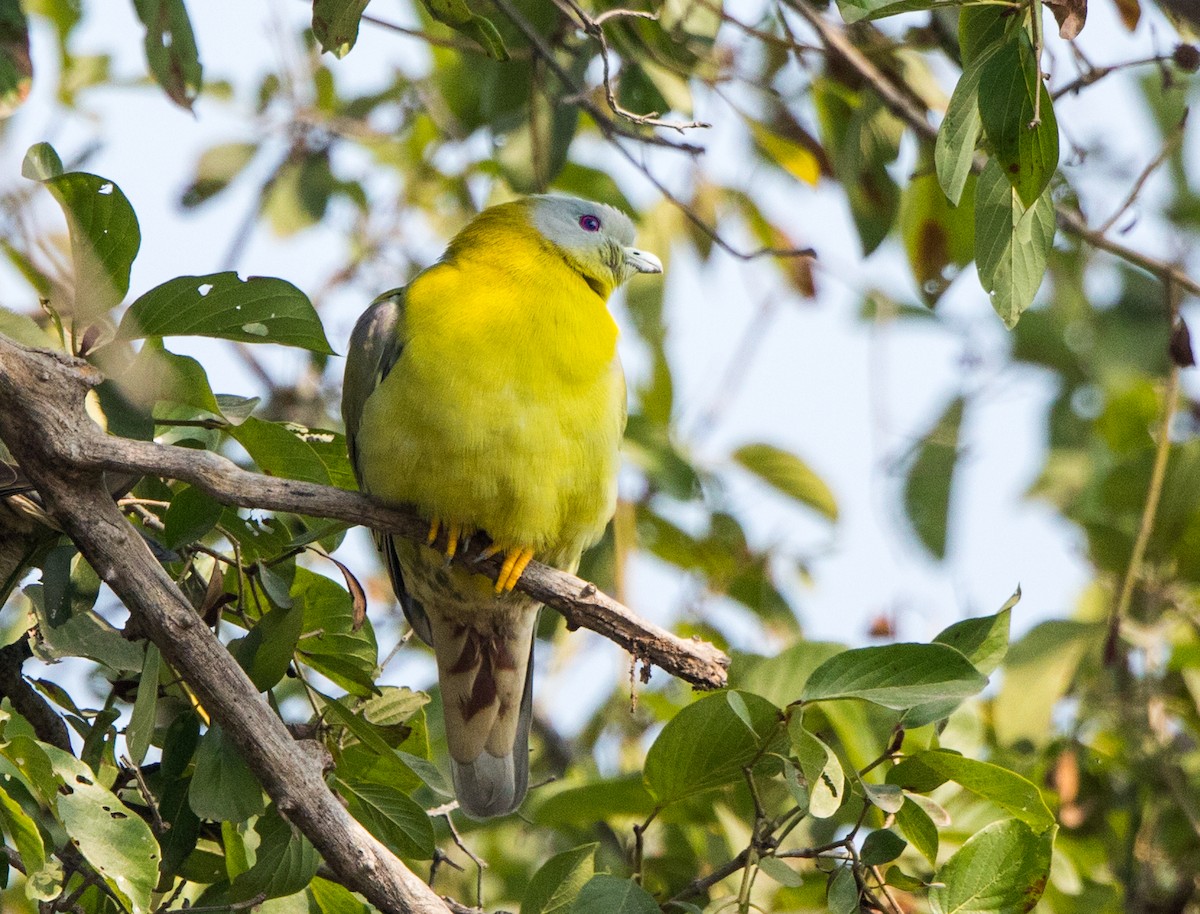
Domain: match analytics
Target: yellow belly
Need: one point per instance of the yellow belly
(504, 411)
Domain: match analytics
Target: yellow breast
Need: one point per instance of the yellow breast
(506, 407)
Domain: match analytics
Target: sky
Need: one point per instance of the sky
(849, 398)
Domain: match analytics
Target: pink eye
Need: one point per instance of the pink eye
(589, 223)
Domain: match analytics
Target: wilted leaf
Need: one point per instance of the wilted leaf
(1070, 15)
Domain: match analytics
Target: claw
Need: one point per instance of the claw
(435, 525)
(453, 532)
(515, 562)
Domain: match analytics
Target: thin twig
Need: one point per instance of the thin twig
(1169, 146)
(608, 124)
(1153, 494)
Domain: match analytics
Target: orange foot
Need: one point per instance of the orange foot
(516, 560)
(455, 533)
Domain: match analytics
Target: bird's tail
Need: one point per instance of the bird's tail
(486, 675)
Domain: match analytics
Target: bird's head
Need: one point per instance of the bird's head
(594, 238)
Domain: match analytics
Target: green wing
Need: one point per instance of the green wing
(375, 345)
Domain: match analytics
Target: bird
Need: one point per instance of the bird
(488, 394)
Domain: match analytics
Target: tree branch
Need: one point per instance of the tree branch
(43, 422)
(80, 445)
(1070, 219)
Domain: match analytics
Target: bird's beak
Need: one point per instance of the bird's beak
(642, 261)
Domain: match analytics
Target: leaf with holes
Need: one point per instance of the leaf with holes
(103, 228)
(822, 770)
(171, 50)
(112, 838)
(260, 309)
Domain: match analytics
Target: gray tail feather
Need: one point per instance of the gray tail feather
(495, 786)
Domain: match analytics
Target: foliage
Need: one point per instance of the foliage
(887, 777)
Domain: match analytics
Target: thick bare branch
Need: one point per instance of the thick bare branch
(43, 422)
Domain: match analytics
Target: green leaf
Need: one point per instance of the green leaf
(842, 897)
(926, 771)
(265, 652)
(41, 163)
(606, 894)
(706, 745)
(260, 309)
(284, 864)
(588, 803)
(332, 898)
(24, 329)
(822, 770)
(1038, 672)
(781, 872)
(335, 23)
(854, 10)
(223, 788)
(780, 679)
(85, 634)
(190, 517)
(922, 834)
(22, 830)
(984, 640)
(1026, 150)
(145, 707)
(335, 647)
(171, 50)
(292, 451)
(958, 135)
(114, 839)
(881, 846)
(457, 15)
(897, 676)
(104, 231)
(16, 67)
(790, 475)
(927, 485)
(1012, 243)
(1001, 869)
(559, 880)
(887, 797)
(390, 815)
(216, 169)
